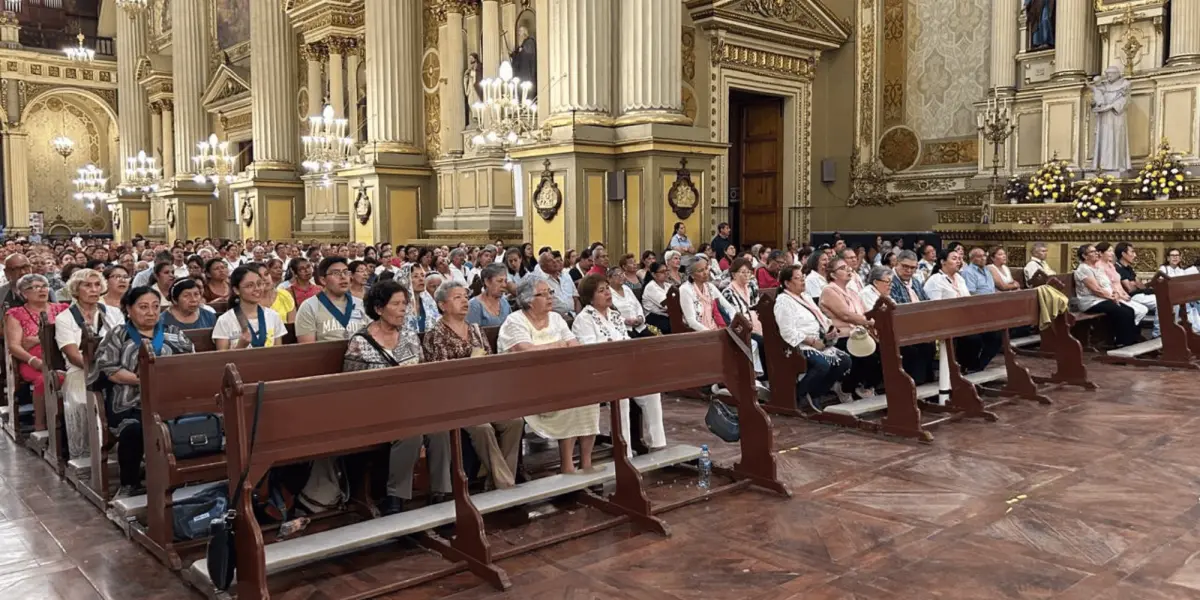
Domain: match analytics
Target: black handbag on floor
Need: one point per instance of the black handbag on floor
(221, 557)
(196, 435)
(723, 421)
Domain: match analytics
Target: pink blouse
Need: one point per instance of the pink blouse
(851, 301)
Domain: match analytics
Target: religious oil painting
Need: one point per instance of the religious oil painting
(233, 22)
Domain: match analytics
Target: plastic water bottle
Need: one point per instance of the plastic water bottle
(705, 468)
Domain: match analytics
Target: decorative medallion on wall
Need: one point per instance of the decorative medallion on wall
(899, 148)
(683, 195)
(171, 217)
(362, 203)
(116, 218)
(547, 198)
(248, 213)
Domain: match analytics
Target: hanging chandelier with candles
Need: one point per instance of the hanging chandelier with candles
(91, 186)
(507, 116)
(214, 163)
(327, 147)
(63, 145)
(141, 174)
(80, 53)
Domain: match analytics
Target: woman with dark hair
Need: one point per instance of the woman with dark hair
(648, 258)
(117, 279)
(282, 302)
(489, 308)
(164, 278)
(360, 273)
(117, 359)
(195, 267)
(679, 239)
(187, 310)
(247, 323)
(216, 280)
(1094, 293)
(654, 298)
(627, 269)
(301, 286)
(528, 260)
(974, 352)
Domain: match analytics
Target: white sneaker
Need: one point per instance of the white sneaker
(718, 390)
(813, 405)
(842, 396)
(864, 392)
(762, 385)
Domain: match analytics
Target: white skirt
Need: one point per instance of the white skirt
(75, 413)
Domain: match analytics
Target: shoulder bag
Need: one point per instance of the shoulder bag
(221, 557)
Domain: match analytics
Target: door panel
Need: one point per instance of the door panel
(761, 179)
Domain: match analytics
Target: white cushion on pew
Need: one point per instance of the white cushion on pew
(1138, 349)
(41, 436)
(293, 553)
(134, 507)
(928, 390)
(1025, 341)
(84, 465)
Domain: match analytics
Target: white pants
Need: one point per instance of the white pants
(1150, 303)
(653, 434)
(1139, 311)
(75, 414)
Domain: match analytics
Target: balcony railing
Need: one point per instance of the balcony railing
(57, 40)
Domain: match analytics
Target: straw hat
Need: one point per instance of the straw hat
(860, 343)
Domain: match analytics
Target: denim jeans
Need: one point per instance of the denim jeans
(821, 373)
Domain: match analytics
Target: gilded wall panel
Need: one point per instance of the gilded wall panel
(50, 176)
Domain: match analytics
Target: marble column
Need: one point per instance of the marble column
(1185, 33)
(1005, 41)
(189, 61)
(156, 132)
(273, 77)
(489, 24)
(393, 76)
(454, 64)
(132, 115)
(337, 83)
(13, 102)
(580, 50)
(352, 62)
(651, 56)
(1074, 17)
(316, 88)
(16, 179)
(168, 139)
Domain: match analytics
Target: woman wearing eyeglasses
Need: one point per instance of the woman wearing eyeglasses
(22, 327)
(654, 298)
(118, 281)
(1094, 292)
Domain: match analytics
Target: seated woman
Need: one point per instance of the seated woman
(384, 343)
(845, 308)
(247, 323)
(420, 317)
(1173, 267)
(164, 278)
(301, 285)
(489, 308)
(281, 302)
(117, 359)
(497, 444)
(600, 322)
(537, 327)
(742, 295)
(187, 310)
(805, 328)
(654, 298)
(672, 259)
(1094, 292)
(85, 287)
(629, 268)
(998, 269)
(1108, 266)
(118, 280)
(360, 274)
(627, 304)
(817, 269)
(878, 283)
(216, 280)
(702, 304)
(22, 327)
(974, 352)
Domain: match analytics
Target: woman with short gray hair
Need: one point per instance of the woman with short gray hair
(700, 300)
(878, 284)
(490, 308)
(22, 328)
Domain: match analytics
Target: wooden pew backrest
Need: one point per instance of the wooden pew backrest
(944, 319)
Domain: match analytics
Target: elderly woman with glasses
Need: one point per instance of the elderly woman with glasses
(537, 327)
(1094, 293)
(703, 306)
(22, 327)
(742, 295)
(878, 284)
(627, 304)
(489, 308)
(654, 298)
(600, 322)
(453, 337)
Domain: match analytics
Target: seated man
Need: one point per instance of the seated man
(918, 359)
(1139, 293)
(979, 281)
(1038, 262)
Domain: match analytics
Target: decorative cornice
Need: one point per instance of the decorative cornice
(726, 53)
(805, 24)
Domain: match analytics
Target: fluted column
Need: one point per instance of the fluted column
(1185, 33)
(1005, 41)
(156, 131)
(393, 75)
(454, 103)
(489, 23)
(13, 102)
(16, 179)
(189, 61)
(168, 139)
(352, 62)
(273, 77)
(1073, 19)
(313, 55)
(651, 56)
(133, 118)
(580, 51)
(337, 83)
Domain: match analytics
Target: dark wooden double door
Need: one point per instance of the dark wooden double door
(756, 137)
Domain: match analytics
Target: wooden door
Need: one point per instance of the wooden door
(761, 149)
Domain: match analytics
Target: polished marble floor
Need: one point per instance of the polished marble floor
(1096, 497)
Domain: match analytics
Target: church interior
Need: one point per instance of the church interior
(1030, 127)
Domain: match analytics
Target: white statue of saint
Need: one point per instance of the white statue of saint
(1110, 94)
(472, 86)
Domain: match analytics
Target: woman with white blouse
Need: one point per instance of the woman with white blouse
(878, 283)
(627, 304)
(1094, 293)
(998, 269)
(699, 298)
(247, 323)
(974, 352)
(817, 279)
(1174, 267)
(805, 328)
(600, 321)
(654, 298)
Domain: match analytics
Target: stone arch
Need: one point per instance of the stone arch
(82, 96)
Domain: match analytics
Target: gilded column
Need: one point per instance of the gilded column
(273, 77)
(393, 75)
(1004, 43)
(454, 103)
(168, 139)
(352, 62)
(1185, 33)
(189, 61)
(489, 23)
(316, 93)
(337, 83)
(133, 117)
(651, 56)
(1074, 17)
(580, 51)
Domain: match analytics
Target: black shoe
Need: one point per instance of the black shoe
(391, 505)
(438, 498)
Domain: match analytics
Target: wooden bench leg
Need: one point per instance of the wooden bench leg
(757, 442)
(903, 416)
(98, 444)
(629, 499)
(161, 531)
(1067, 353)
(964, 398)
(1019, 382)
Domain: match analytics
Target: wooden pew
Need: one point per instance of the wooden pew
(1089, 328)
(1179, 346)
(447, 396)
(924, 322)
(675, 312)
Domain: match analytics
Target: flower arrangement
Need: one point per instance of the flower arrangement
(1098, 200)
(1163, 174)
(1017, 191)
(1050, 182)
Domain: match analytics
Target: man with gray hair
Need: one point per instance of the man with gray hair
(918, 360)
(566, 299)
(1038, 262)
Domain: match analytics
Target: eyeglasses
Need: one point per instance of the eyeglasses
(338, 273)
(38, 287)
(120, 277)
(543, 295)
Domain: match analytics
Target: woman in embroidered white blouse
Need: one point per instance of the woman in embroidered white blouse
(696, 298)
(805, 328)
(654, 297)
(599, 322)
(627, 304)
(974, 352)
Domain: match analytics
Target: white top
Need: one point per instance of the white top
(924, 269)
(869, 296)
(518, 329)
(814, 284)
(1170, 271)
(628, 306)
(1036, 265)
(940, 287)
(1084, 296)
(590, 327)
(799, 319)
(67, 331)
(689, 303)
(654, 298)
(458, 274)
(227, 326)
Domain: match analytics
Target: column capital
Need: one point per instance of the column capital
(341, 45)
(167, 105)
(314, 51)
(156, 107)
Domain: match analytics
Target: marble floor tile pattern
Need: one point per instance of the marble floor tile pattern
(1096, 497)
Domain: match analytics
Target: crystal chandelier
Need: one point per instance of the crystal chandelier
(141, 174)
(327, 147)
(91, 186)
(80, 53)
(214, 164)
(63, 145)
(507, 116)
(133, 7)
